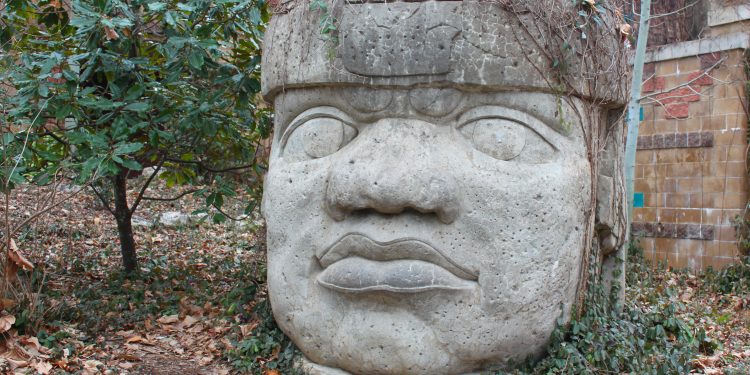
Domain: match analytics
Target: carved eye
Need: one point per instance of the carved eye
(318, 137)
(505, 139)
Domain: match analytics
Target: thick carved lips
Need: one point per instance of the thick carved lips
(358, 264)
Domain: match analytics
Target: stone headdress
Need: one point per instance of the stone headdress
(493, 44)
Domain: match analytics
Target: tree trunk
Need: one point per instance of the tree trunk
(124, 225)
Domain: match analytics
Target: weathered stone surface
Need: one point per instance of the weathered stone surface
(428, 209)
(466, 43)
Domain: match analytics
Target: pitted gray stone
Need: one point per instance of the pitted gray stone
(430, 199)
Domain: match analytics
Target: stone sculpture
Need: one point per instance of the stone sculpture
(432, 197)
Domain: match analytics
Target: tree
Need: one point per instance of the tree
(105, 88)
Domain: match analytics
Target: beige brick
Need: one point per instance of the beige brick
(688, 64)
(692, 216)
(692, 124)
(736, 121)
(726, 106)
(644, 184)
(715, 122)
(648, 112)
(638, 170)
(652, 199)
(644, 157)
(713, 200)
(664, 68)
(646, 127)
(724, 168)
(724, 233)
(690, 248)
(701, 108)
(659, 112)
(711, 249)
(717, 91)
(647, 244)
(665, 245)
(676, 200)
(684, 170)
(654, 170)
(666, 185)
(730, 137)
(716, 154)
(734, 59)
(725, 73)
(664, 126)
(695, 262)
(737, 153)
(736, 184)
(647, 170)
(676, 261)
(728, 248)
(735, 200)
(666, 215)
(713, 184)
(642, 214)
(689, 155)
(712, 216)
(734, 90)
(696, 200)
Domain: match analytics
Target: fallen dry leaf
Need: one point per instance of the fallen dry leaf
(626, 29)
(126, 365)
(15, 261)
(91, 367)
(43, 367)
(6, 321)
(247, 329)
(169, 319)
(7, 303)
(63, 364)
(189, 321)
(110, 34)
(14, 363)
(271, 372)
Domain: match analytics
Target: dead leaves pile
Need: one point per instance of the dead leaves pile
(23, 354)
(197, 335)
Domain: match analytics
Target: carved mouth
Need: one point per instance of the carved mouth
(358, 264)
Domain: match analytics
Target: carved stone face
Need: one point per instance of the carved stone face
(425, 230)
(428, 201)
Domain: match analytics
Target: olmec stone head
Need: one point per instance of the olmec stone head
(434, 187)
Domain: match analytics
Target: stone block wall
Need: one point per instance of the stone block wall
(691, 160)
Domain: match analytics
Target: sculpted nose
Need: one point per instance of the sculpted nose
(392, 167)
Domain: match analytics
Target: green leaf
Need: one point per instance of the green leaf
(134, 92)
(196, 59)
(137, 107)
(63, 111)
(127, 148)
(88, 168)
(157, 7)
(43, 90)
(131, 164)
(219, 218)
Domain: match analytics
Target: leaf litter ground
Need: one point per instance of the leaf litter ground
(194, 297)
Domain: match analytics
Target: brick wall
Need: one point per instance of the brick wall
(691, 159)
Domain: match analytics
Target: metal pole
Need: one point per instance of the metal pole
(634, 107)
